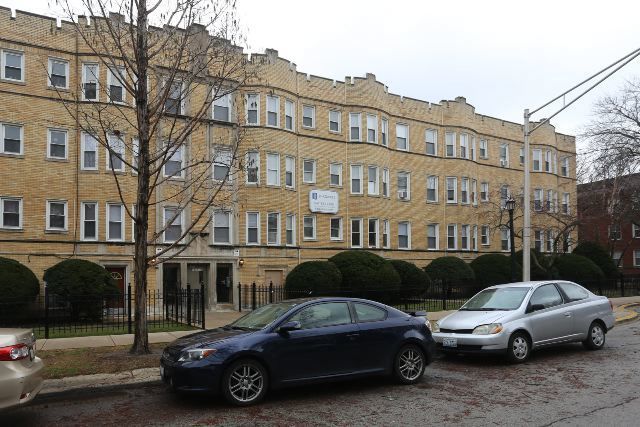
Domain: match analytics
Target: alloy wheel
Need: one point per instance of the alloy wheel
(410, 366)
(520, 348)
(597, 335)
(246, 383)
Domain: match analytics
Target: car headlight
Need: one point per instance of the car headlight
(196, 354)
(435, 327)
(493, 328)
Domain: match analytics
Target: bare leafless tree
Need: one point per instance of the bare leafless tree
(168, 62)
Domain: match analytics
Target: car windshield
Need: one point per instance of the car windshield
(496, 299)
(263, 316)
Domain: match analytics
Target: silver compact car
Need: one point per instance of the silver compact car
(20, 369)
(516, 318)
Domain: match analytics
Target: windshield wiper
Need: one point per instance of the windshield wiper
(241, 328)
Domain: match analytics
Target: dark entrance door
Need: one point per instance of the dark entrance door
(170, 277)
(118, 274)
(224, 280)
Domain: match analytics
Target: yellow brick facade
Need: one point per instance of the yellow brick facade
(34, 179)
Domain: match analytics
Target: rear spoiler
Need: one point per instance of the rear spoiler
(418, 313)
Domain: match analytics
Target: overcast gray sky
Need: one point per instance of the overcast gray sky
(500, 54)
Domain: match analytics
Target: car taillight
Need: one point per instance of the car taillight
(14, 352)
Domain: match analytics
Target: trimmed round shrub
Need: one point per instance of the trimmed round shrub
(449, 268)
(365, 271)
(577, 268)
(314, 277)
(17, 280)
(494, 269)
(411, 277)
(599, 256)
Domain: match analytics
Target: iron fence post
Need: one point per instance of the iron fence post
(188, 304)
(270, 291)
(202, 311)
(253, 296)
(46, 311)
(129, 308)
(621, 285)
(240, 297)
(444, 294)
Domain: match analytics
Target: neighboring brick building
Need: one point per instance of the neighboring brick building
(609, 213)
(406, 178)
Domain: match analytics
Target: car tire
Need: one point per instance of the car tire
(245, 382)
(519, 348)
(596, 337)
(409, 364)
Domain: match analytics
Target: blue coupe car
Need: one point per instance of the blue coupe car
(300, 341)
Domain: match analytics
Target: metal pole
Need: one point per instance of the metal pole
(202, 310)
(46, 311)
(526, 237)
(129, 308)
(512, 245)
(240, 297)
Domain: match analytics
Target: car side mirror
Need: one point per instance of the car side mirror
(535, 307)
(292, 325)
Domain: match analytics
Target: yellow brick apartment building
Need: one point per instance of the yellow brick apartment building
(326, 166)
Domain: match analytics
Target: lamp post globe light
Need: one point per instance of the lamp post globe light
(510, 206)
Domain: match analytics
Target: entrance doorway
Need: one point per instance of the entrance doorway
(118, 274)
(273, 276)
(170, 277)
(224, 280)
(197, 275)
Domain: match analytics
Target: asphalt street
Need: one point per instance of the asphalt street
(560, 386)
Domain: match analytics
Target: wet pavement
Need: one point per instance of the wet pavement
(565, 385)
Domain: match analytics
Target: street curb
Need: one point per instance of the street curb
(632, 314)
(82, 391)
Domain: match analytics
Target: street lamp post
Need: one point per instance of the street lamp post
(510, 205)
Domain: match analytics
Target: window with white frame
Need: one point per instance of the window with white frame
(432, 188)
(565, 203)
(58, 73)
(290, 172)
(135, 154)
(10, 212)
(373, 232)
(505, 243)
(222, 164)
(504, 196)
(538, 240)
(309, 227)
(464, 146)
(356, 179)
(355, 123)
(522, 156)
(404, 235)
(115, 84)
(115, 153)
(564, 166)
(273, 169)
(450, 144)
(57, 144)
(356, 232)
(614, 232)
(133, 222)
(335, 121)
(452, 189)
(174, 167)
(547, 161)
(253, 109)
(473, 149)
(537, 199)
(537, 160)
(484, 149)
(222, 227)
(404, 186)
(222, 107)
(13, 65)
(174, 103)
(385, 183)
(474, 192)
(309, 171)
(431, 141)
(308, 116)
(504, 155)
(374, 185)
(474, 238)
(11, 142)
(464, 190)
(549, 203)
(464, 237)
(289, 115)
(385, 133)
(402, 137)
(90, 82)
(89, 159)
(173, 219)
(335, 225)
(452, 236)
(484, 235)
(273, 111)
(484, 191)
(554, 161)
(549, 240)
(89, 221)
(335, 174)
(253, 228)
(273, 228)
(115, 222)
(290, 229)
(372, 128)
(636, 258)
(433, 238)
(385, 233)
(253, 167)
(635, 231)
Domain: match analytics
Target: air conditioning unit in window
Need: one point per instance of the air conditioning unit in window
(503, 163)
(403, 195)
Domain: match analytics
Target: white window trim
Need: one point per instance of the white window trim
(437, 230)
(111, 77)
(339, 121)
(408, 248)
(377, 242)
(339, 175)
(486, 198)
(266, 117)
(305, 238)
(455, 190)
(435, 142)
(223, 100)
(108, 219)
(486, 148)
(293, 229)
(533, 160)
(384, 129)
(97, 65)
(636, 258)
(376, 191)
(6, 227)
(82, 220)
(508, 239)
(66, 215)
(454, 153)
(123, 154)
(313, 116)
(464, 136)
(247, 228)
(488, 235)
(435, 189)
(455, 237)
(408, 175)
(246, 179)
(293, 172)
(133, 222)
(360, 139)
(387, 174)
(165, 225)
(66, 143)
(278, 229)
(635, 231)
(277, 183)
(246, 109)
(406, 125)
(213, 237)
(386, 229)
(351, 177)
(293, 115)
(50, 70)
(375, 139)
(315, 167)
(2, 148)
(466, 227)
(504, 162)
(340, 236)
(22, 68)
(468, 198)
(361, 244)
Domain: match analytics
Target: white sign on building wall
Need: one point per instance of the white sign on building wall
(322, 201)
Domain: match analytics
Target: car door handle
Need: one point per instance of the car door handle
(567, 314)
(353, 336)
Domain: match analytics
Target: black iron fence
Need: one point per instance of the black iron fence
(52, 316)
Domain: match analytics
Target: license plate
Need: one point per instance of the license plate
(449, 342)
(162, 372)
